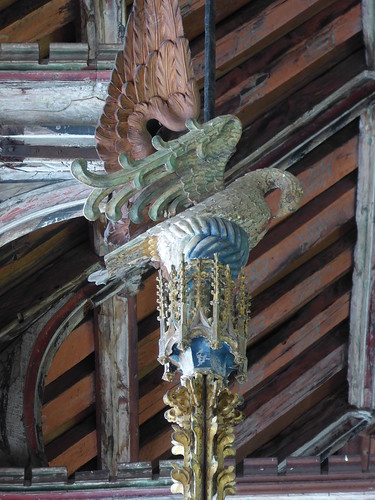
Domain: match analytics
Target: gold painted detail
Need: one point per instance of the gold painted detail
(200, 299)
(203, 413)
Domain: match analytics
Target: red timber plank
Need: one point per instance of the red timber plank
(40, 22)
(261, 82)
(146, 298)
(193, 14)
(275, 407)
(295, 344)
(78, 454)
(284, 115)
(78, 345)
(318, 175)
(148, 351)
(152, 402)
(75, 400)
(308, 426)
(40, 248)
(291, 293)
(293, 241)
(300, 387)
(253, 35)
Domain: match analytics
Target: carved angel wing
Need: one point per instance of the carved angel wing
(152, 79)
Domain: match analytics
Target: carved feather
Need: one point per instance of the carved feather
(166, 72)
(139, 83)
(183, 64)
(152, 79)
(154, 23)
(128, 53)
(172, 20)
(140, 51)
(151, 85)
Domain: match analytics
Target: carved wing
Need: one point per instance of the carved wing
(152, 79)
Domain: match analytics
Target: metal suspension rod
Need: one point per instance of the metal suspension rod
(210, 60)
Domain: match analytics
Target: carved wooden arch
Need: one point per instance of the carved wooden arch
(23, 215)
(45, 347)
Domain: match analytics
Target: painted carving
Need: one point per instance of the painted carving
(203, 317)
(181, 172)
(242, 203)
(152, 80)
(203, 402)
(203, 305)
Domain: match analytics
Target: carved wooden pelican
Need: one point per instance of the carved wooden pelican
(230, 223)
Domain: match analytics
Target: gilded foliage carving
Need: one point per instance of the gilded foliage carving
(203, 414)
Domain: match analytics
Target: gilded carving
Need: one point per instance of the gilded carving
(203, 414)
(201, 301)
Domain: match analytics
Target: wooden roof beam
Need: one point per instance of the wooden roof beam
(261, 82)
(334, 436)
(266, 416)
(37, 23)
(361, 373)
(39, 205)
(117, 382)
(309, 130)
(361, 370)
(251, 36)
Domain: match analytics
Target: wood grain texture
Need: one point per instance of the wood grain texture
(265, 414)
(146, 298)
(79, 454)
(78, 345)
(70, 403)
(39, 22)
(254, 35)
(117, 382)
(275, 78)
(361, 373)
(152, 80)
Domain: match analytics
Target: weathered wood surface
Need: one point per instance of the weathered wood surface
(275, 79)
(31, 253)
(79, 453)
(262, 414)
(286, 398)
(77, 347)
(361, 373)
(296, 343)
(330, 440)
(300, 103)
(146, 298)
(67, 405)
(305, 428)
(251, 36)
(45, 204)
(284, 298)
(312, 224)
(26, 24)
(19, 310)
(343, 480)
(52, 98)
(311, 129)
(102, 23)
(13, 376)
(276, 305)
(118, 382)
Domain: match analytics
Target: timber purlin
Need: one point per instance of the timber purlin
(46, 475)
(303, 474)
